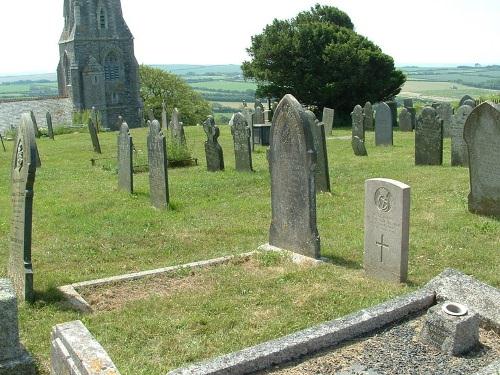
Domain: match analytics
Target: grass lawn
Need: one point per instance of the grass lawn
(84, 229)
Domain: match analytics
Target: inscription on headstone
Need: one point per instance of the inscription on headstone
(429, 138)
(327, 119)
(357, 117)
(50, 129)
(213, 150)
(383, 125)
(358, 146)
(158, 173)
(241, 139)
(125, 156)
(321, 172)
(459, 153)
(405, 124)
(94, 137)
(368, 116)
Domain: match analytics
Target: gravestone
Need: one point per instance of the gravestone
(125, 156)
(408, 103)
(368, 116)
(429, 138)
(383, 125)
(94, 137)
(213, 150)
(50, 129)
(413, 114)
(405, 124)
(387, 223)
(242, 147)
(482, 135)
(158, 172)
(95, 118)
(3, 144)
(247, 112)
(459, 153)
(177, 128)
(464, 98)
(35, 125)
(25, 161)
(151, 115)
(164, 123)
(258, 116)
(471, 103)
(357, 117)
(258, 104)
(327, 119)
(445, 113)
(292, 162)
(394, 112)
(358, 146)
(321, 172)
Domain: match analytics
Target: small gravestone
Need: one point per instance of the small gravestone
(258, 116)
(258, 104)
(327, 119)
(292, 162)
(94, 137)
(321, 172)
(387, 223)
(50, 129)
(357, 117)
(383, 125)
(164, 123)
(242, 147)
(35, 125)
(408, 103)
(464, 98)
(405, 124)
(471, 103)
(482, 135)
(3, 144)
(358, 146)
(125, 156)
(25, 161)
(394, 112)
(213, 150)
(177, 129)
(368, 116)
(157, 160)
(429, 138)
(459, 153)
(445, 113)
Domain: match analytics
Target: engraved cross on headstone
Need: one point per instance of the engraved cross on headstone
(382, 245)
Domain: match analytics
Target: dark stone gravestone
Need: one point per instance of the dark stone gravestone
(50, 128)
(429, 138)
(408, 103)
(405, 123)
(95, 118)
(35, 125)
(3, 144)
(459, 153)
(368, 116)
(242, 147)
(413, 113)
(464, 98)
(357, 117)
(358, 146)
(213, 150)
(383, 125)
(471, 103)
(482, 135)
(321, 172)
(292, 162)
(394, 112)
(327, 119)
(247, 112)
(25, 161)
(125, 157)
(94, 137)
(164, 123)
(177, 128)
(158, 172)
(445, 113)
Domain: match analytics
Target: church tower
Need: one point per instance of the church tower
(97, 66)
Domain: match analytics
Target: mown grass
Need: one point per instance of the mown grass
(85, 229)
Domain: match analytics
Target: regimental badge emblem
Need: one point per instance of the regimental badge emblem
(383, 199)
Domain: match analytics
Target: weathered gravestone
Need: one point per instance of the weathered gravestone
(358, 146)
(459, 153)
(14, 360)
(394, 112)
(464, 98)
(321, 172)
(50, 128)
(125, 157)
(405, 124)
(358, 129)
(213, 150)
(3, 144)
(94, 137)
(429, 138)
(35, 125)
(327, 119)
(383, 125)
(242, 147)
(258, 116)
(471, 103)
(368, 116)
(408, 103)
(482, 135)
(25, 161)
(247, 112)
(164, 123)
(95, 118)
(292, 162)
(387, 223)
(158, 172)
(445, 113)
(258, 104)
(177, 129)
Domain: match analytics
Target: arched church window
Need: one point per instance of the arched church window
(102, 19)
(111, 67)
(67, 69)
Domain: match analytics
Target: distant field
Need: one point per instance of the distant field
(225, 85)
(482, 77)
(28, 89)
(441, 91)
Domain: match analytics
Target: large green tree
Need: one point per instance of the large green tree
(158, 86)
(319, 58)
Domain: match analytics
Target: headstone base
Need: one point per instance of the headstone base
(23, 365)
(295, 257)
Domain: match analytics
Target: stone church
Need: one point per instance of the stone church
(97, 66)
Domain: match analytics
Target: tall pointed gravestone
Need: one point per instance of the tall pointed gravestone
(327, 119)
(292, 162)
(213, 150)
(25, 161)
(357, 117)
(94, 137)
(383, 125)
(177, 128)
(459, 153)
(321, 172)
(242, 145)
(164, 123)
(368, 116)
(482, 135)
(429, 138)
(35, 125)
(158, 172)
(405, 122)
(50, 128)
(125, 157)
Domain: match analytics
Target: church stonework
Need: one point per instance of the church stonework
(97, 66)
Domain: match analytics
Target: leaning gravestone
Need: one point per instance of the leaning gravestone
(213, 150)
(358, 146)
(164, 123)
(50, 129)
(35, 125)
(358, 129)
(387, 223)
(177, 128)
(429, 138)
(158, 172)
(292, 161)
(95, 118)
(321, 173)
(242, 147)
(25, 161)
(459, 153)
(482, 135)
(405, 124)
(394, 112)
(464, 98)
(368, 116)
(383, 125)
(94, 137)
(125, 156)
(327, 119)
(445, 113)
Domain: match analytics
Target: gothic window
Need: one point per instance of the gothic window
(111, 67)
(67, 69)
(115, 98)
(102, 17)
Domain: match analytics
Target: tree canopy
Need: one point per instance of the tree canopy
(319, 58)
(158, 86)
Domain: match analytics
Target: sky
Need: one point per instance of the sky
(423, 32)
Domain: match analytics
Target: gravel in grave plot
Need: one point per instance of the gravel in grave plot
(394, 350)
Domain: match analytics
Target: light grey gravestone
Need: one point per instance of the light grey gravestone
(158, 172)
(459, 153)
(445, 112)
(35, 125)
(387, 224)
(50, 128)
(482, 135)
(94, 137)
(357, 117)
(164, 123)
(429, 138)
(24, 164)
(358, 146)
(125, 157)
(471, 103)
(394, 112)
(383, 125)
(177, 128)
(258, 104)
(464, 98)
(368, 116)
(405, 124)
(14, 360)
(213, 150)
(242, 145)
(327, 119)
(292, 162)
(258, 116)
(321, 172)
